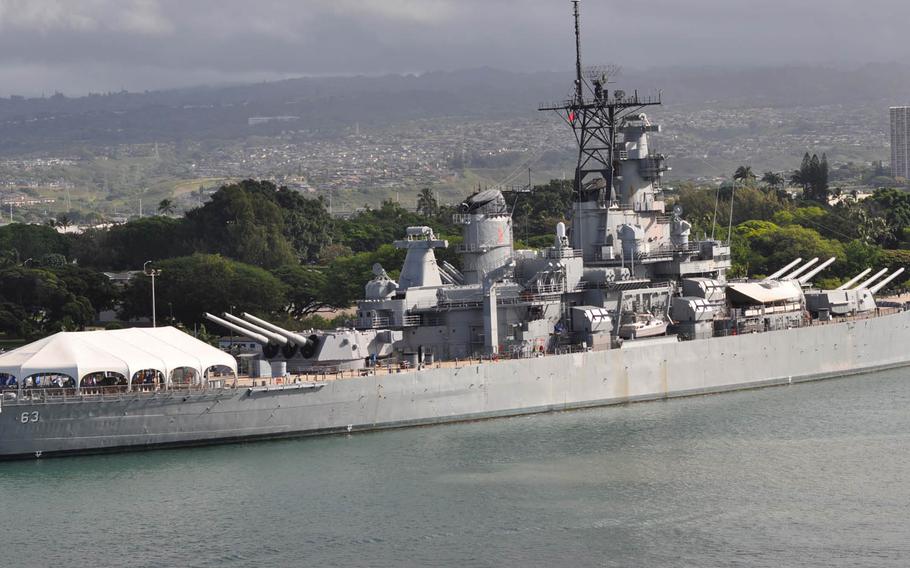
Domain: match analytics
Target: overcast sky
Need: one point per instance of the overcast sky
(76, 46)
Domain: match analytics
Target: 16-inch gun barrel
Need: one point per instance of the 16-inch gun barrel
(884, 282)
(800, 270)
(295, 338)
(808, 276)
(273, 337)
(872, 279)
(783, 270)
(846, 285)
(258, 338)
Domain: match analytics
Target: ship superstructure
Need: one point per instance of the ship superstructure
(626, 268)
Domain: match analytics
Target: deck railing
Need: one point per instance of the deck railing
(10, 395)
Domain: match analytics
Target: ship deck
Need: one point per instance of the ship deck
(316, 379)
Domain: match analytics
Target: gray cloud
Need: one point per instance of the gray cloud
(82, 45)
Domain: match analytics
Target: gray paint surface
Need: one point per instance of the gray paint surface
(650, 371)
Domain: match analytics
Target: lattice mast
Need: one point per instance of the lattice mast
(594, 114)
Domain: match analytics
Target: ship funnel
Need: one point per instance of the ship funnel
(237, 329)
(808, 276)
(295, 338)
(783, 270)
(274, 337)
(872, 279)
(800, 270)
(884, 282)
(853, 280)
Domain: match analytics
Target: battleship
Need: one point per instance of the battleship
(625, 305)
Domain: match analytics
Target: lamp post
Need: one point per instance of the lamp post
(730, 222)
(232, 348)
(153, 273)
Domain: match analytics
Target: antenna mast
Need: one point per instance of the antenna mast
(595, 121)
(579, 95)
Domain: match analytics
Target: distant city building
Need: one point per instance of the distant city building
(256, 120)
(900, 142)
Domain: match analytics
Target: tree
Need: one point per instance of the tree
(346, 276)
(127, 246)
(243, 221)
(371, 228)
(773, 179)
(893, 207)
(765, 247)
(744, 174)
(22, 241)
(166, 207)
(307, 223)
(201, 283)
(796, 178)
(426, 203)
(306, 289)
(35, 302)
(536, 214)
(869, 228)
(751, 204)
(812, 176)
(802, 177)
(63, 221)
(89, 284)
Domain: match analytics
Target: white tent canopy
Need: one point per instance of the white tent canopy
(123, 351)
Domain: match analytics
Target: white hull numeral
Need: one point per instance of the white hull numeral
(27, 417)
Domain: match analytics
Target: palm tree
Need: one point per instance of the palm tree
(803, 178)
(63, 221)
(165, 207)
(426, 203)
(773, 179)
(744, 174)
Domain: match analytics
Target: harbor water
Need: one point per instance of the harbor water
(813, 474)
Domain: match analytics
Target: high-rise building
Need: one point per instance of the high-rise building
(900, 142)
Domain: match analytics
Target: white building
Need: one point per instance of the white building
(900, 142)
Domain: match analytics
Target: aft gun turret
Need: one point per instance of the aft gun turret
(272, 343)
(306, 345)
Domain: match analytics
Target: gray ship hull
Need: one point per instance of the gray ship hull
(642, 370)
